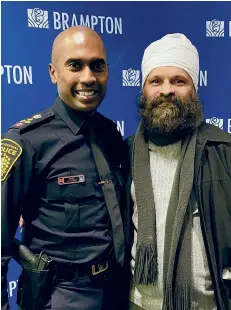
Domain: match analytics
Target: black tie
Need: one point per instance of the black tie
(110, 198)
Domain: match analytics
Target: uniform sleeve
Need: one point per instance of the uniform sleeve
(17, 172)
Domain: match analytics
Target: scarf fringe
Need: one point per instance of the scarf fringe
(146, 265)
(181, 299)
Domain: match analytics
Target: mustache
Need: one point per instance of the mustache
(163, 99)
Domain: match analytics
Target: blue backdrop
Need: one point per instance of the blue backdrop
(127, 28)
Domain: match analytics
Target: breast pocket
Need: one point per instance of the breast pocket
(70, 206)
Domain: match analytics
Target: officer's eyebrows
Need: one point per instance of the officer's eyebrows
(84, 61)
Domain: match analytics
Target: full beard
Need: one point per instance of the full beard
(171, 116)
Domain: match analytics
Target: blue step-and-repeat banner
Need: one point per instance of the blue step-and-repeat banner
(127, 28)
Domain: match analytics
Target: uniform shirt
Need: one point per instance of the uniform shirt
(54, 184)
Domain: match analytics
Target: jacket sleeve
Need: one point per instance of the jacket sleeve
(226, 159)
(16, 176)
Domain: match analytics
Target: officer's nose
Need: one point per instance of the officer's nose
(87, 77)
(167, 89)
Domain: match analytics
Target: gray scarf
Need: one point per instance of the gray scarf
(177, 253)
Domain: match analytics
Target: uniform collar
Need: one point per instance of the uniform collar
(73, 119)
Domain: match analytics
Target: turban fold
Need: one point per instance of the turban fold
(171, 50)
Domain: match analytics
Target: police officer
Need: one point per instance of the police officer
(62, 170)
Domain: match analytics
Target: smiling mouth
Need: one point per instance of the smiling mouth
(87, 94)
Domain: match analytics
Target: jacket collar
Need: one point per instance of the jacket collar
(212, 133)
(73, 119)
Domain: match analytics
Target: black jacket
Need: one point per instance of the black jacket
(212, 182)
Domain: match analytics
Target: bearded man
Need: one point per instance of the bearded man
(179, 189)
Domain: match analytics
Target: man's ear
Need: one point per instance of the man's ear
(52, 72)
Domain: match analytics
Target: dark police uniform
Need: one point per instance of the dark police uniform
(49, 176)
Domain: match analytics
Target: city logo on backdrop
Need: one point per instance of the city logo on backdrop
(131, 77)
(38, 18)
(216, 28)
(220, 122)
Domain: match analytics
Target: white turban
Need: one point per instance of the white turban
(171, 50)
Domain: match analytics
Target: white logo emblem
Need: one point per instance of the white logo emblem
(37, 18)
(215, 28)
(215, 121)
(131, 77)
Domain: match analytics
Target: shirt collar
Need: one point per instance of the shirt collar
(73, 119)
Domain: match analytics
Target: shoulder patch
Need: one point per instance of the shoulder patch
(33, 120)
(10, 152)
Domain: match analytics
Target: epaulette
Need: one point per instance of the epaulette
(33, 121)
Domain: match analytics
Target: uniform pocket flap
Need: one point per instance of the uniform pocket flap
(70, 192)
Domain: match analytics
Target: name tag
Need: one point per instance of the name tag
(72, 179)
